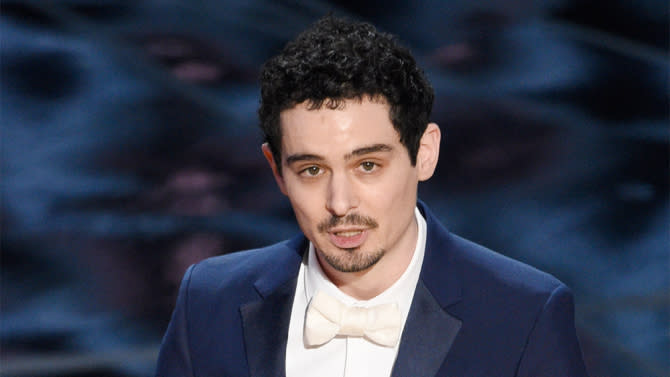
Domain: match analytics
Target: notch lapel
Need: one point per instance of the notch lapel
(428, 335)
(265, 323)
(430, 330)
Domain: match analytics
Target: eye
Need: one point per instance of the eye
(311, 171)
(368, 166)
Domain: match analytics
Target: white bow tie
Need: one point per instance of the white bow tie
(327, 317)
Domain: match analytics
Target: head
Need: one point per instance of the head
(335, 60)
(345, 114)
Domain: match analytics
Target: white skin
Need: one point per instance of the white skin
(339, 162)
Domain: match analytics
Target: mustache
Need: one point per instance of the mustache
(351, 219)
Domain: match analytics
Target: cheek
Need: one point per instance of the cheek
(306, 222)
(393, 194)
(395, 205)
(306, 205)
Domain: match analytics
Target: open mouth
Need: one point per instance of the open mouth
(349, 238)
(348, 233)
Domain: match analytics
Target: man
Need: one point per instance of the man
(375, 286)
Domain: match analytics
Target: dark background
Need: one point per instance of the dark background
(130, 149)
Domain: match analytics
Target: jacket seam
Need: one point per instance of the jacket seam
(186, 315)
(532, 329)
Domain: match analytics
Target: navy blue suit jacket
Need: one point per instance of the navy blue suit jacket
(474, 313)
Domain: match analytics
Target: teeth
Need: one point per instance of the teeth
(348, 234)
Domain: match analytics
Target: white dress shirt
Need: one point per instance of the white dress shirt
(347, 356)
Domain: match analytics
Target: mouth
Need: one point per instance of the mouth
(348, 238)
(347, 233)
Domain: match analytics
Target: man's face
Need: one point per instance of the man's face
(350, 182)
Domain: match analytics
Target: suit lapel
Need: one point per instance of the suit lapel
(430, 329)
(265, 321)
(428, 335)
(265, 324)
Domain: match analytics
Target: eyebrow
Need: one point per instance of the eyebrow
(368, 149)
(292, 159)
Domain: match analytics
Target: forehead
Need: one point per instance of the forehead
(327, 131)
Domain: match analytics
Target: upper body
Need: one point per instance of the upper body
(345, 114)
(474, 313)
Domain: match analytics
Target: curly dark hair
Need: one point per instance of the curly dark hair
(335, 60)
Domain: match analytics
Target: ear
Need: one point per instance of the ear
(273, 165)
(429, 152)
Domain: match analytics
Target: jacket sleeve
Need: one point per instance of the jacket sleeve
(174, 358)
(552, 348)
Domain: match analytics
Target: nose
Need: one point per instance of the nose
(341, 196)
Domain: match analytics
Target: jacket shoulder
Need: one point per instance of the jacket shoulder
(502, 304)
(239, 271)
(473, 268)
(481, 266)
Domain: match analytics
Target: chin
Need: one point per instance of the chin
(354, 260)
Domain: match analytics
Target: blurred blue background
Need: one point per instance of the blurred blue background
(130, 149)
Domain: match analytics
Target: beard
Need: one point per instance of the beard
(353, 260)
